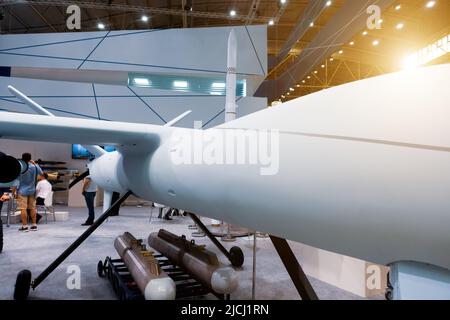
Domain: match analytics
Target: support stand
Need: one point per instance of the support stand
(254, 268)
(294, 269)
(235, 255)
(228, 237)
(10, 208)
(197, 233)
(115, 197)
(23, 282)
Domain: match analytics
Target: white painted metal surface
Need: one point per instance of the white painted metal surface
(230, 99)
(364, 168)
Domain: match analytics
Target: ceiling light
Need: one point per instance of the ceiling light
(144, 18)
(282, 1)
(328, 3)
(375, 42)
(101, 26)
(298, 86)
(218, 85)
(271, 22)
(288, 93)
(352, 43)
(283, 96)
(180, 84)
(232, 13)
(398, 7)
(400, 26)
(430, 4)
(364, 33)
(380, 20)
(291, 89)
(304, 81)
(331, 59)
(309, 77)
(311, 24)
(323, 66)
(141, 81)
(341, 51)
(315, 71)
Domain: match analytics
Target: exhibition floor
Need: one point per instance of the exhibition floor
(35, 250)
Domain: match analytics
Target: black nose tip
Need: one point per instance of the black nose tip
(9, 168)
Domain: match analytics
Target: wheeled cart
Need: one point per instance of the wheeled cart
(126, 288)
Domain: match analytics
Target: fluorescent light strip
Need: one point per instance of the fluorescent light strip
(218, 85)
(180, 84)
(142, 81)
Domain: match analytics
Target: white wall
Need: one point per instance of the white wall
(45, 151)
(179, 51)
(344, 272)
(42, 150)
(157, 50)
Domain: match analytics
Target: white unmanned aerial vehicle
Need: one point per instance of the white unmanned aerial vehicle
(363, 170)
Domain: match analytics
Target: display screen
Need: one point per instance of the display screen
(79, 152)
(109, 148)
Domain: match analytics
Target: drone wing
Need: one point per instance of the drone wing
(84, 131)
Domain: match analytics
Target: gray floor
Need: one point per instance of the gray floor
(35, 250)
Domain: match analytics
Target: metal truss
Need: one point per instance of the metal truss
(141, 9)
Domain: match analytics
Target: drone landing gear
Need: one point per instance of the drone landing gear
(235, 255)
(23, 281)
(294, 269)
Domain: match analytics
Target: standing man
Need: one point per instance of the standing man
(26, 191)
(89, 191)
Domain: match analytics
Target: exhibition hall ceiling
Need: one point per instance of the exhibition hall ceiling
(311, 44)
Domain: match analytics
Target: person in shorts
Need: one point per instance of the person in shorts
(26, 191)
